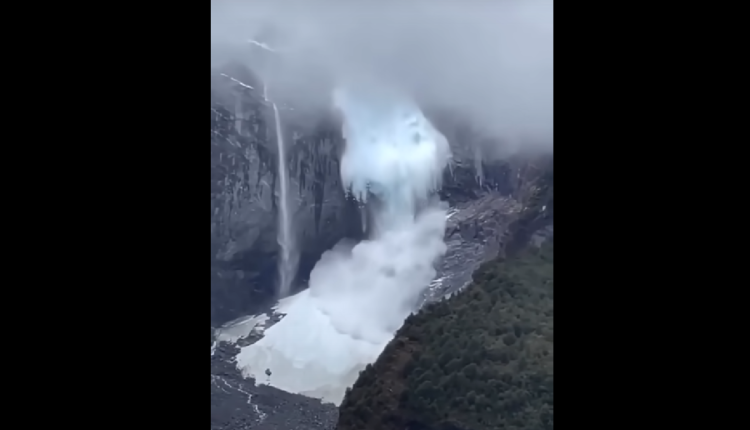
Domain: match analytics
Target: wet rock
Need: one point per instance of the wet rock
(238, 404)
(244, 198)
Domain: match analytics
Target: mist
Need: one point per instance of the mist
(489, 61)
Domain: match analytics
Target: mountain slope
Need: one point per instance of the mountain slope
(480, 360)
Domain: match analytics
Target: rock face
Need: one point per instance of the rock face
(238, 404)
(486, 197)
(244, 197)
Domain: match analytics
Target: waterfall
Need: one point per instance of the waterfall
(285, 238)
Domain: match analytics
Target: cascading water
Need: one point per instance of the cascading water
(359, 296)
(284, 238)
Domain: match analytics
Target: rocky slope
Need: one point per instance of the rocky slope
(487, 200)
(238, 404)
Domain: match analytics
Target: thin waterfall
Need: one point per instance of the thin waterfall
(285, 237)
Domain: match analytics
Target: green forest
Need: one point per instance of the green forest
(481, 360)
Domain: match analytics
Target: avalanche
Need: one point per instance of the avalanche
(359, 296)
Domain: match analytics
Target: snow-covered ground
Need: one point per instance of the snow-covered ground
(306, 354)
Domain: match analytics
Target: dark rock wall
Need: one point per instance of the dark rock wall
(244, 177)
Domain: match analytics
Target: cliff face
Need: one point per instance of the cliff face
(495, 206)
(244, 164)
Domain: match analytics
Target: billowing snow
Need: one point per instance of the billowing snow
(306, 354)
(359, 296)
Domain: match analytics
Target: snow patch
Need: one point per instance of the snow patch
(241, 328)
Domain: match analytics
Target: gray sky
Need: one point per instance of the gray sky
(492, 60)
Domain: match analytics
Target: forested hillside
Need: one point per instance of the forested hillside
(481, 360)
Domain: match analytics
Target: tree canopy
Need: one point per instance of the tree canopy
(481, 360)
